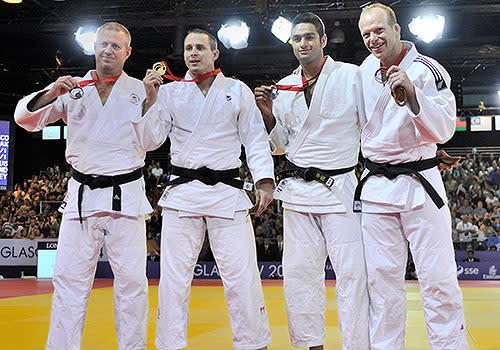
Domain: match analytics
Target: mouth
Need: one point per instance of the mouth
(377, 48)
(194, 62)
(304, 52)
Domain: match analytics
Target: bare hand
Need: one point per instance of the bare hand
(152, 82)
(445, 160)
(398, 77)
(263, 195)
(61, 86)
(265, 105)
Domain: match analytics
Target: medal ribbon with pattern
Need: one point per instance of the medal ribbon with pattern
(399, 92)
(305, 83)
(163, 69)
(77, 92)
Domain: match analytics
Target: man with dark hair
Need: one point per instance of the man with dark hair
(316, 119)
(208, 117)
(105, 201)
(403, 197)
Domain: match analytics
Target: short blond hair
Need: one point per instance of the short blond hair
(391, 16)
(117, 27)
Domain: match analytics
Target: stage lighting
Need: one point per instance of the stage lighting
(86, 39)
(427, 28)
(282, 28)
(498, 92)
(13, 1)
(234, 35)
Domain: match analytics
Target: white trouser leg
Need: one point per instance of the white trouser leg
(386, 252)
(233, 246)
(181, 242)
(429, 232)
(342, 232)
(125, 241)
(76, 261)
(304, 257)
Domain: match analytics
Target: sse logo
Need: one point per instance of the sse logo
(467, 270)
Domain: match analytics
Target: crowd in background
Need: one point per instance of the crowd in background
(30, 211)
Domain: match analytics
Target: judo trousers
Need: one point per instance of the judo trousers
(78, 250)
(309, 239)
(233, 245)
(427, 229)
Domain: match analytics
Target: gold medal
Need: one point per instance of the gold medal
(160, 68)
(399, 94)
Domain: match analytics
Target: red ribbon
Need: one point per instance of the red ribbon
(305, 81)
(84, 83)
(170, 76)
(384, 69)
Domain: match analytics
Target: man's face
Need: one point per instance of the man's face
(380, 38)
(306, 43)
(198, 55)
(111, 51)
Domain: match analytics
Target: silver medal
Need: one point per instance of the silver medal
(76, 93)
(273, 93)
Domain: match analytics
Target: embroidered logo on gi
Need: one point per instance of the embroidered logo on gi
(228, 98)
(135, 99)
(116, 197)
(262, 310)
(462, 327)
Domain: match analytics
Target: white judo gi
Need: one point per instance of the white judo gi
(209, 131)
(399, 211)
(318, 220)
(100, 141)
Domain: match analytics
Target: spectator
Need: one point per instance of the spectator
(471, 257)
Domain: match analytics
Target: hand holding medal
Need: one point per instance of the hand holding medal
(397, 79)
(77, 91)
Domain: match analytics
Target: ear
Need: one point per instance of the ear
(129, 51)
(216, 54)
(397, 28)
(324, 40)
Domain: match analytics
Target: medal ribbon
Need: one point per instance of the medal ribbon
(170, 76)
(84, 83)
(305, 81)
(384, 69)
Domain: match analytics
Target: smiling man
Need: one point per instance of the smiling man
(403, 197)
(105, 202)
(316, 119)
(208, 118)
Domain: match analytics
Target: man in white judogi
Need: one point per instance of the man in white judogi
(105, 201)
(403, 198)
(319, 129)
(208, 119)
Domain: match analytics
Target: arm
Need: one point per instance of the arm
(253, 136)
(40, 108)
(155, 124)
(265, 105)
(432, 110)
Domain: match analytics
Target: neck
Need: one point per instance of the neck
(309, 70)
(389, 61)
(205, 84)
(103, 73)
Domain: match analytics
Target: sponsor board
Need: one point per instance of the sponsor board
(478, 271)
(24, 252)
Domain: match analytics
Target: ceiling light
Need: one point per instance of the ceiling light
(234, 35)
(282, 29)
(86, 39)
(427, 28)
(13, 1)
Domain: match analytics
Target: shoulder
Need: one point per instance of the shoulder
(429, 68)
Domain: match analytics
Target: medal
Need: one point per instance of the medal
(163, 69)
(399, 92)
(273, 93)
(160, 67)
(76, 93)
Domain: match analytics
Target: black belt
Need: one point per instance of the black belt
(391, 171)
(102, 182)
(311, 173)
(209, 177)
